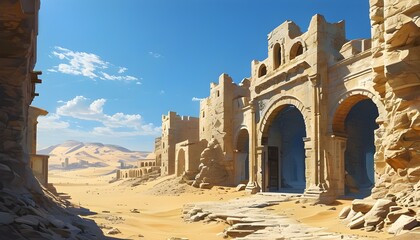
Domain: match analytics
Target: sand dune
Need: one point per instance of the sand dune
(91, 153)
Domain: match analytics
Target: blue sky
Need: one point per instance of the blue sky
(111, 68)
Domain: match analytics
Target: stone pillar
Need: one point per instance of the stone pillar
(262, 176)
(317, 159)
(338, 147)
(252, 185)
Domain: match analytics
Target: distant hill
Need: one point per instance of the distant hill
(84, 155)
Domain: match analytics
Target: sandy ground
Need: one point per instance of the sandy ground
(160, 213)
(159, 205)
(324, 216)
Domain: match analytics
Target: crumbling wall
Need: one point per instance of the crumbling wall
(396, 61)
(27, 211)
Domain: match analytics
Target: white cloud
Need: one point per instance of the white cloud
(122, 70)
(82, 108)
(52, 122)
(87, 64)
(119, 78)
(85, 120)
(138, 83)
(196, 99)
(155, 55)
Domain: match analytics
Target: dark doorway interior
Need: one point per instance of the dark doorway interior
(359, 165)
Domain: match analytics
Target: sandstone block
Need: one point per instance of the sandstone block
(362, 205)
(357, 223)
(350, 216)
(378, 212)
(394, 215)
(403, 223)
(357, 216)
(344, 212)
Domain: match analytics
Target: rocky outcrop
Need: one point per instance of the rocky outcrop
(379, 214)
(396, 51)
(211, 171)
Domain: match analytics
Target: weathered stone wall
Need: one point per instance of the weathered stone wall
(18, 34)
(27, 211)
(325, 77)
(218, 113)
(175, 129)
(395, 62)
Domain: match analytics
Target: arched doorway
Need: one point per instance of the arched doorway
(242, 157)
(285, 158)
(359, 126)
(181, 162)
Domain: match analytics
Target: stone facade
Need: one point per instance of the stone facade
(323, 115)
(175, 129)
(144, 168)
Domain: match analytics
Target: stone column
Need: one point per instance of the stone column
(252, 185)
(319, 185)
(262, 176)
(338, 147)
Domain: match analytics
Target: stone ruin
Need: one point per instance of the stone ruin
(321, 116)
(210, 171)
(27, 209)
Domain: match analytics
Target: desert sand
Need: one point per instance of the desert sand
(159, 214)
(153, 210)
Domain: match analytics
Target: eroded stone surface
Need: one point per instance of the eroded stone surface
(249, 219)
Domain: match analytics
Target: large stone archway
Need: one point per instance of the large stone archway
(283, 140)
(354, 125)
(242, 157)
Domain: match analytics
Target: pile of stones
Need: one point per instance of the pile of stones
(26, 215)
(380, 215)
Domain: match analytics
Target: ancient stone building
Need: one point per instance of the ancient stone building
(221, 115)
(175, 129)
(323, 115)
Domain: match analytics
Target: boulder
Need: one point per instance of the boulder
(344, 212)
(357, 223)
(378, 212)
(362, 205)
(393, 215)
(350, 216)
(403, 223)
